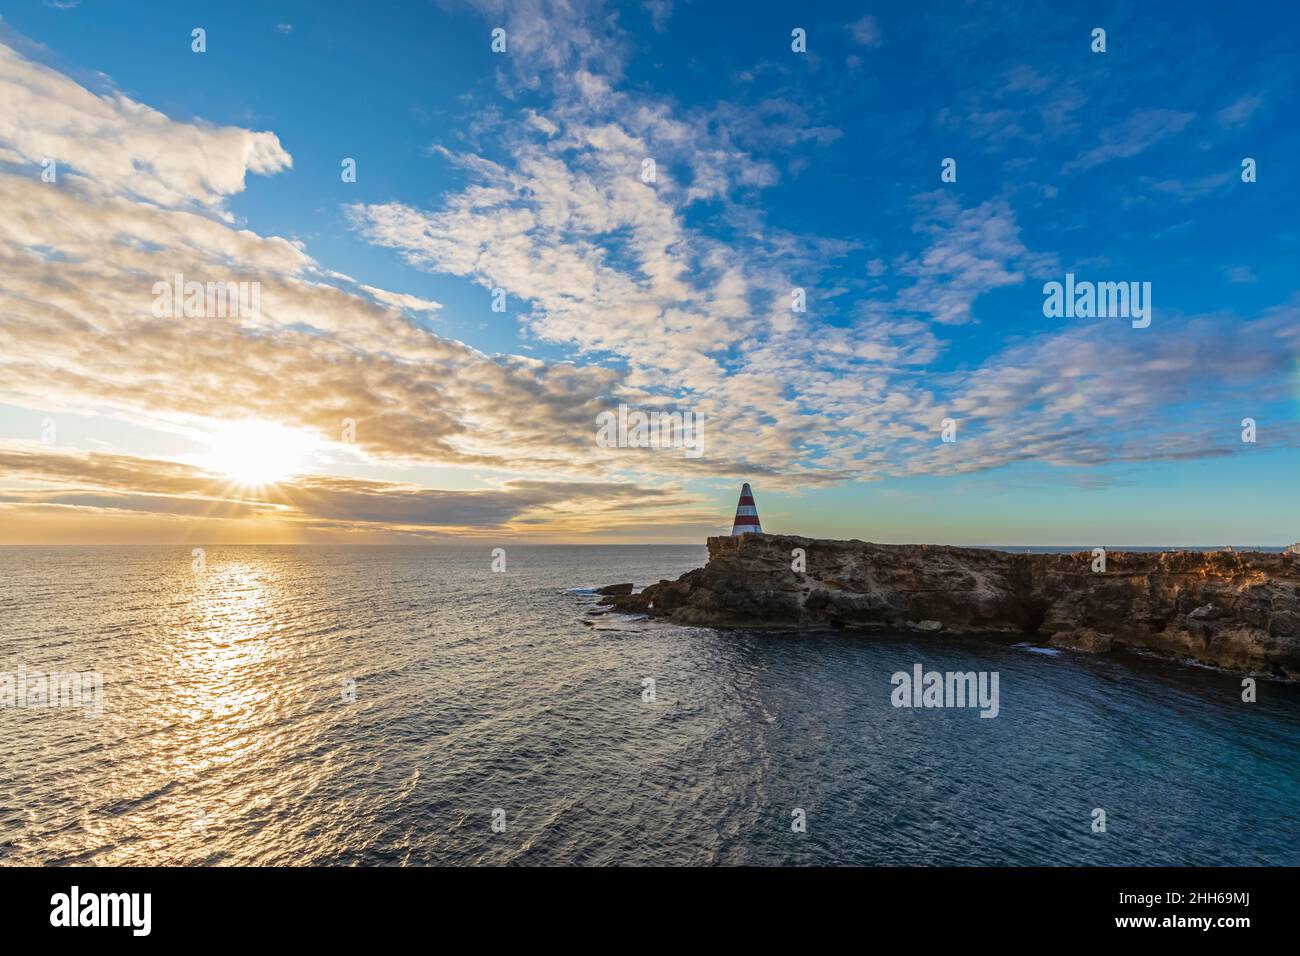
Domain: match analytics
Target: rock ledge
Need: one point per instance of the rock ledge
(1233, 609)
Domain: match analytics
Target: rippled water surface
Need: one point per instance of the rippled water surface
(226, 737)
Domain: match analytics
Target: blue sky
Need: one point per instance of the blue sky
(775, 170)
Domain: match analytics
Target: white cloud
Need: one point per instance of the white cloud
(115, 145)
(972, 251)
(401, 300)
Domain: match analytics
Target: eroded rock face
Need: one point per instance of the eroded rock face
(1235, 609)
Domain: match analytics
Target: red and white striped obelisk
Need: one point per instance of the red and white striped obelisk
(746, 514)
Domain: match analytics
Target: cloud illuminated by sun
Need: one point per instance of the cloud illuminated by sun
(254, 454)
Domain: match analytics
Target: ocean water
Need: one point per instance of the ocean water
(374, 706)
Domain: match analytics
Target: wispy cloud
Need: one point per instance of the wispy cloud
(971, 252)
(1135, 135)
(1239, 112)
(660, 11)
(866, 32)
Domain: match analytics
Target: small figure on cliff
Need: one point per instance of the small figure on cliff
(746, 514)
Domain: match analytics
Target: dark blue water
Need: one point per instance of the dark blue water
(227, 735)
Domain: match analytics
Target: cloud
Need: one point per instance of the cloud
(866, 32)
(1102, 393)
(559, 40)
(105, 471)
(595, 258)
(1024, 105)
(112, 144)
(1188, 190)
(972, 252)
(1239, 112)
(669, 293)
(401, 300)
(1135, 135)
(660, 11)
(151, 486)
(569, 229)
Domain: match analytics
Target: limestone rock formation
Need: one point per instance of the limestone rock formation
(1233, 609)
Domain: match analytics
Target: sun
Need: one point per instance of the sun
(253, 454)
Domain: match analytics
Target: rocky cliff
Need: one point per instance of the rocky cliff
(1234, 609)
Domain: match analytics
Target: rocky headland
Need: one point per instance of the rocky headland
(1233, 609)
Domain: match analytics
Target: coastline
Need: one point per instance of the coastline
(1235, 610)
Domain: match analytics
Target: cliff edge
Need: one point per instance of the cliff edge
(1233, 609)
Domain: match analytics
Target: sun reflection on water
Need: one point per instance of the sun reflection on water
(225, 738)
(228, 633)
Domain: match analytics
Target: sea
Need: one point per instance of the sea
(411, 706)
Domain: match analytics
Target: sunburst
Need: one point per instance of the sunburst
(255, 454)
